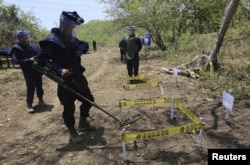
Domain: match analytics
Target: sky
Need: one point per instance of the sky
(48, 11)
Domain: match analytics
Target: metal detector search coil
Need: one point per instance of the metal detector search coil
(131, 120)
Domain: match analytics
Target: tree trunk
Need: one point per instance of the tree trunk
(230, 10)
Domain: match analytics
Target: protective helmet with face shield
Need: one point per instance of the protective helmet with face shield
(70, 23)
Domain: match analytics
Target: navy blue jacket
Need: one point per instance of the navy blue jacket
(61, 54)
(21, 55)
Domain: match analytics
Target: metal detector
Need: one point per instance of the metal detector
(50, 74)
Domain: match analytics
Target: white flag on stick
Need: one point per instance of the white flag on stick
(176, 72)
(176, 75)
(228, 101)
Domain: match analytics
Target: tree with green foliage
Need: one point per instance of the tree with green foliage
(101, 31)
(167, 20)
(8, 22)
(12, 19)
(148, 16)
(204, 16)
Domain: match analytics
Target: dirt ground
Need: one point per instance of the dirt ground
(41, 138)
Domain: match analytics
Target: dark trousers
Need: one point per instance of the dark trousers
(133, 66)
(32, 84)
(122, 53)
(68, 98)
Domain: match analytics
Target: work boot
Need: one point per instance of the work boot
(29, 108)
(85, 125)
(73, 135)
(41, 102)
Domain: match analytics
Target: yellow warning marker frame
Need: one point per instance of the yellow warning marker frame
(142, 85)
(157, 83)
(141, 102)
(191, 127)
(141, 77)
(196, 125)
(186, 111)
(161, 100)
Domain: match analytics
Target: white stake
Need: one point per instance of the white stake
(175, 76)
(172, 108)
(124, 148)
(201, 134)
(227, 115)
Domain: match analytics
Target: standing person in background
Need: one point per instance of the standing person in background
(24, 53)
(62, 50)
(122, 49)
(133, 46)
(1, 64)
(94, 45)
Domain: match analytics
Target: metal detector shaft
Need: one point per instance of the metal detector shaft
(47, 71)
(91, 102)
(126, 122)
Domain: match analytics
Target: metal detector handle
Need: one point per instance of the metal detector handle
(47, 71)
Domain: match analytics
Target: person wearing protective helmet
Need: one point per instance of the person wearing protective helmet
(122, 47)
(94, 45)
(62, 50)
(133, 46)
(24, 53)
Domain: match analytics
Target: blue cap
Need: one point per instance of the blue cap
(22, 33)
(131, 28)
